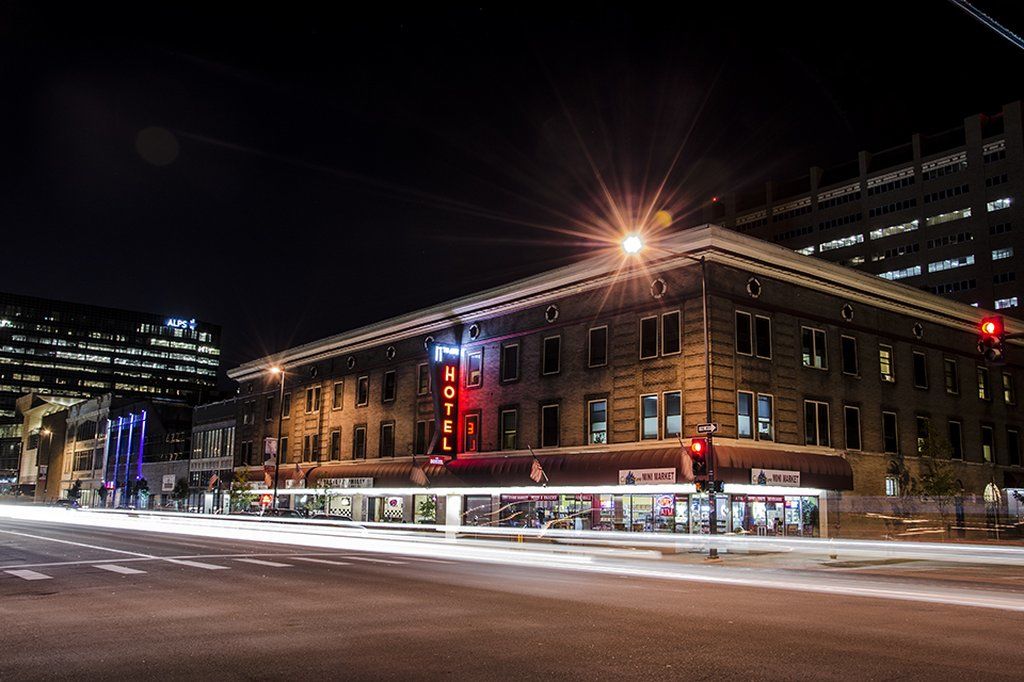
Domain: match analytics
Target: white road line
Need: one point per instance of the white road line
(322, 561)
(261, 562)
(429, 561)
(198, 564)
(26, 574)
(79, 544)
(114, 568)
(376, 561)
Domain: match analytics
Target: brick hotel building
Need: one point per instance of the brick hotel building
(833, 376)
(941, 213)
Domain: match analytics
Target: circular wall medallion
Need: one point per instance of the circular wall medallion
(754, 287)
(847, 312)
(390, 353)
(918, 330)
(313, 371)
(551, 313)
(474, 331)
(427, 341)
(351, 362)
(658, 288)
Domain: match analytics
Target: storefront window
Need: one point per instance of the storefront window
(478, 510)
(775, 515)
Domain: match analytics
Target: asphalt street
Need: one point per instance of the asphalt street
(90, 603)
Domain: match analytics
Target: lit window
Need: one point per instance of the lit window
(893, 229)
(988, 444)
(1010, 302)
(806, 251)
(1009, 390)
(673, 414)
(765, 423)
(983, 392)
(842, 242)
(892, 486)
(474, 368)
(885, 363)
(902, 273)
(948, 217)
(998, 204)
(597, 411)
(999, 254)
(649, 417)
(745, 414)
(951, 263)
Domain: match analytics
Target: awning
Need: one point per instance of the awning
(582, 468)
(384, 474)
(828, 472)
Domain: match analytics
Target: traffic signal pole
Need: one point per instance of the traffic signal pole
(712, 494)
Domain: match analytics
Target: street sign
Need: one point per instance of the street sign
(707, 428)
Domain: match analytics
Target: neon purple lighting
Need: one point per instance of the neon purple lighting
(142, 443)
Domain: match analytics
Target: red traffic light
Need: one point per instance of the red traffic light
(698, 447)
(992, 326)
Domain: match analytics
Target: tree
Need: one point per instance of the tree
(320, 501)
(242, 495)
(939, 484)
(428, 509)
(180, 492)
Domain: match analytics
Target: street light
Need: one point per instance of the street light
(632, 244)
(39, 459)
(278, 371)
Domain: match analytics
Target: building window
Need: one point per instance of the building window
(885, 366)
(956, 439)
(1013, 446)
(920, 369)
(988, 444)
(983, 391)
(286, 406)
(313, 399)
(424, 434)
(851, 417)
(744, 333)
(388, 388)
(765, 420)
(510, 362)
(284, 450)
(550, 428)
(423, 379)
(597, 347)
(471, 432)
(474, 368)
(386, 447)
(649, 417)
(924, 429)
(851, 364)
(890, 434)
(268, 413)
(551, 357)
(509, 429)
(814, 354)
(311, 448)
(816, 427)
(363, 391)
(248, 415)
(1002, 303)
(597, 419)
(335, 444)
(763, 337)
(1009, 390)
(673, 414)
(952, 376)
(744, 414)
(359, 442)
(670, 334)
(892, 486)
(649, 337)
(339, 395)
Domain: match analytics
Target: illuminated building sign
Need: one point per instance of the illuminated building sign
(444, 372)
(179, 323)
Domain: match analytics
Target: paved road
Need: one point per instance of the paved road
(85, 603)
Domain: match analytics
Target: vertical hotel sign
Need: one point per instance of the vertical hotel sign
(444, 376)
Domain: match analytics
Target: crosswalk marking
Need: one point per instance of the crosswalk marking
(261, 562)
(199, 564)
(323, 561)
(376, 561)
(114, 568)
(26, 574)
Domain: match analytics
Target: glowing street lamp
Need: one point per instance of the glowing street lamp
(276, 370)
(632, 244)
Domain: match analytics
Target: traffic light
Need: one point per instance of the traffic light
(991, 339)
(699, 456)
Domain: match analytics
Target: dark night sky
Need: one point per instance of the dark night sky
(324, 170)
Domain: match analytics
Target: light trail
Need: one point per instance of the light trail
(443, 543)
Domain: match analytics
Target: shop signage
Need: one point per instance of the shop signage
(347, 482)
(444, 373)
(646, 476)
(210, 464)
(180, 323)
(666, 505)
(775, 477)
(167, 483)
(529, 498)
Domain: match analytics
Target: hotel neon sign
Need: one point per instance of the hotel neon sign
(444, 373)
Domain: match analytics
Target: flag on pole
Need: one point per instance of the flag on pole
(687, 463)
(537, 473)
(213, 482)
(418, 475)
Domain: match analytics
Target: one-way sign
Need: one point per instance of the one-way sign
(707, 428)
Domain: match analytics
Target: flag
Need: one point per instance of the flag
(417, 475)
(687, 463)
(268, 477)
(213, 482)
(536, 470)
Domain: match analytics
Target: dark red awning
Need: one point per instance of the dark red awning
(829, 472)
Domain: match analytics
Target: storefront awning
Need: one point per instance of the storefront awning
(384, 474)
(584, 468)
(828, 472)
